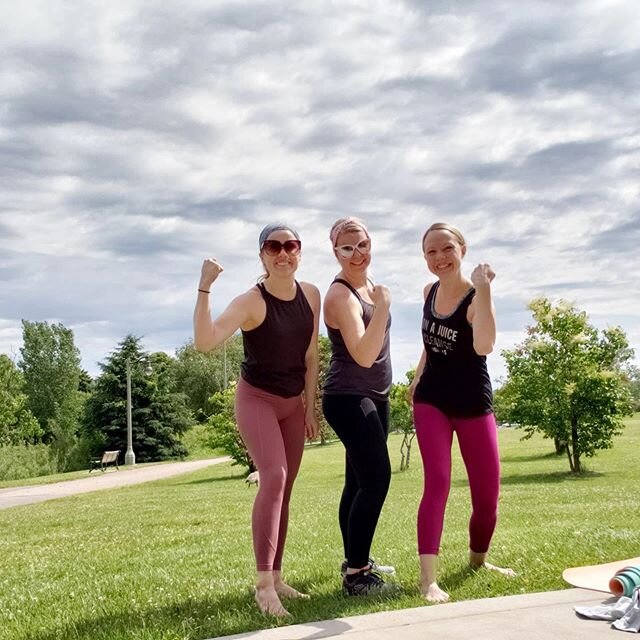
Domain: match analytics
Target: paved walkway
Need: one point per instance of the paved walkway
(543, 616)
(98, 480)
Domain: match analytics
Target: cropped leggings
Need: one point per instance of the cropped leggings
(478, 442)
(362, 424)
(272, 429)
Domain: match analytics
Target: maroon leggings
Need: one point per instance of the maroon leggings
(272, 428)
(478, 442)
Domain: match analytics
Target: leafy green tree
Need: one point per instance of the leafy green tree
(567, 381)
(50, 363)
(401, 418)
(159, 414)
(200, 375)
(17, 424)
(325, 432)
(633, 374)
(224, 432)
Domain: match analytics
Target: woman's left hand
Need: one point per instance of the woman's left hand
(311, 427)
(482, 275)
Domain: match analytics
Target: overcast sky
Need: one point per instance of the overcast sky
(138, 137)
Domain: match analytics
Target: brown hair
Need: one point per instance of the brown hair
(444, 226)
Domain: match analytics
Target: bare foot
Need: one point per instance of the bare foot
(269, 603)
(508, 573)
(284, 590)
(433, 593)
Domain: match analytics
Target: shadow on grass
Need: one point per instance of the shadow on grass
(217, 479)
(219, 616)
(533, 457)
(549, 478)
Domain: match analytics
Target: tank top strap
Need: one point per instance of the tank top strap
(352, 289)
(432, 294)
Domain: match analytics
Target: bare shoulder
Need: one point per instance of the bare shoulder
(249, 301)
(337, 295)
(310, 290)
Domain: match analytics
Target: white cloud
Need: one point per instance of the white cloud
(136, 139)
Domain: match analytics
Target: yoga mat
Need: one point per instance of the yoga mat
(596, 576)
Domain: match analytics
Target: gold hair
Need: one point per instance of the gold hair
(444, 226)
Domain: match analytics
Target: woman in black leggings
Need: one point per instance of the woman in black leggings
(355, 401)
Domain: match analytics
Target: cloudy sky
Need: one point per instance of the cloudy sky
(138, 137)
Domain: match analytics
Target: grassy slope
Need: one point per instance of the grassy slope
(172, 559)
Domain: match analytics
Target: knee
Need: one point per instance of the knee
(273, 479)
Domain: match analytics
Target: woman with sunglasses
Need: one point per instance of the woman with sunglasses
(355, 399)
(274, 402)
(451, 392)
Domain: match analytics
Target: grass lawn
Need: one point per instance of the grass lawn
(173, 559)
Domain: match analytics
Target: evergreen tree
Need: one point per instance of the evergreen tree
(159, 413)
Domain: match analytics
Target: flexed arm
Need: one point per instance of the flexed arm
(209, 333)
(481, 312)
(364, 345)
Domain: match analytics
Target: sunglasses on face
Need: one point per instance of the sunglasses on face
(347, 250)
(274, 247)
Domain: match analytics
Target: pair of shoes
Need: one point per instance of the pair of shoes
(378, 568)
(363, 583)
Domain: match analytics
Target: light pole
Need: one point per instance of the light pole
(129, 456)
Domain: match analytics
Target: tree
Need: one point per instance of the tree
(159, 414)
(402, 418)
(224, 432)
(51, 366)
(567, 381)
(633, 373)
(17, 424)
(200, 375)
(325, 432)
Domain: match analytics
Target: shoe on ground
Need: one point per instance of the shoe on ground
(363, 583)
(378, 568)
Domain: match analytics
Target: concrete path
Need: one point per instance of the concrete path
(543, 616)
(98, 480)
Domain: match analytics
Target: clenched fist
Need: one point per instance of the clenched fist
(211, 269)
(482, 275)
(381, 296)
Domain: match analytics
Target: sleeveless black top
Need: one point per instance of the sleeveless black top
(455, 378)
(346, 376)
(274, 352)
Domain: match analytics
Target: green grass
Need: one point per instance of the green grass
(173, 559)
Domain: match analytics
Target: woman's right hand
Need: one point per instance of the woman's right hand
(211, 269)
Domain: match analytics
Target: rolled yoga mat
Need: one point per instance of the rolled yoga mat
(599, 577)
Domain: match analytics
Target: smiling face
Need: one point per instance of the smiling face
(287, 260)
(443, 252)
(357, 243)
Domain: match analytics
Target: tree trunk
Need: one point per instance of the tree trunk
(576, 468)
(560, 445)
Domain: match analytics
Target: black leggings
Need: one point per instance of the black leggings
(363, 425)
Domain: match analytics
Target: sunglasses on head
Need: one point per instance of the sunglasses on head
(274, 247)
(347, 250)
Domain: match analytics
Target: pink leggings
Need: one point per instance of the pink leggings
(478, 442)
(272, 428)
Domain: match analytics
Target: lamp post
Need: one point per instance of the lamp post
(129, 456)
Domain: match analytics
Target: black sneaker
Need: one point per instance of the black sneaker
(373, 565)
(363, 583)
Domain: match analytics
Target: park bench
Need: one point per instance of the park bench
(108, 457)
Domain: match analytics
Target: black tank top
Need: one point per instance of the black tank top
(346, 376)
(455, 378)
(274, 352)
